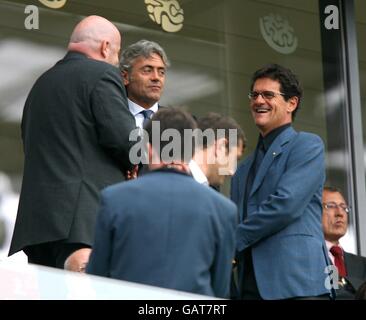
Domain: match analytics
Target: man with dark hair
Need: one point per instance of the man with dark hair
(75, 131)
(280, 243)
(143, 66)
(351, 268)
(164, 228)
(219, 145)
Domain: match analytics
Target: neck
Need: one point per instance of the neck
(144, 104)
(177, 165)
(334, 242)
(200, 157)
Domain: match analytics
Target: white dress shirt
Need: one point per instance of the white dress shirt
(197, 173)
(135, 109)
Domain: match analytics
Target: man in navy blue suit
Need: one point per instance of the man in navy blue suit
(164, 228)
(280, 244)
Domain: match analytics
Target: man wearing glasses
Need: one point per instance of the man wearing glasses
(351, 268)
(281, 252)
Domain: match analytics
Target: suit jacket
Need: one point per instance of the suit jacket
(75, 131)
(356, 269)
(165, 229)
(283, 222)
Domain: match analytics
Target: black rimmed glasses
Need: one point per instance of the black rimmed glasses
(333, 206)
(267, 95)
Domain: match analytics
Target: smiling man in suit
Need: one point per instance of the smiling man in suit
(351, 267)
(280, 244)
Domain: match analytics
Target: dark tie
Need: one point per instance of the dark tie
(337, 253)
(147, 116)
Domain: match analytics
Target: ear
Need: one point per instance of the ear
(104, 48)
(220, 146)
(292, 104)
(125, 78)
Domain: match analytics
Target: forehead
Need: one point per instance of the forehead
(329, 196)
(262, 84)
(153, 60)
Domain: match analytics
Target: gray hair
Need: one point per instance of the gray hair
(143, 48)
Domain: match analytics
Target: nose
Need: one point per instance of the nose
(155, 75)
(339, 211)
(259, 99)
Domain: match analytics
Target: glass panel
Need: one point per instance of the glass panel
(360, 11)
(220, 44)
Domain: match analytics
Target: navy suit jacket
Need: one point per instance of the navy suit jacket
(167, 230)
(283, 222)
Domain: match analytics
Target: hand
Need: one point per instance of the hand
(78, 260)
(132, 174)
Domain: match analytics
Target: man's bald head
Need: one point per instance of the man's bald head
(98, 38)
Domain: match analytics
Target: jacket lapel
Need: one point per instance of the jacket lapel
(243, 177)
(274, 151)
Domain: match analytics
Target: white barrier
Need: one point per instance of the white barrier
(29, 282)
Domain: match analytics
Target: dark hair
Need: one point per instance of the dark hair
(289, 83)
(217, 121)
(173, 118)
(332, 189)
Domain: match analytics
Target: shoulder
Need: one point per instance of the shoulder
(355, 257)
(90, 66)
(311, 137)
(244, 164)
(121, 189)
(225, 204)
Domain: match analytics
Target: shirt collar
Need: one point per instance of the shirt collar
(197, 173)
(270, 137)
(330, 244)
(136, 109)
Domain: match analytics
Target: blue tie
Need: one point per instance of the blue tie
(147, 116)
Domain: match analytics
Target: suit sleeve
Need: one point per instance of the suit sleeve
(222, 266)
(114, 122)
(100, 258)
(304, 175)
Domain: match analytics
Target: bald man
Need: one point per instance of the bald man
(75, 130)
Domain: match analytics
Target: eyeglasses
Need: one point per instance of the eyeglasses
(267, 95)
(333, 206)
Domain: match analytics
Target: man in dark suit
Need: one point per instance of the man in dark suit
(164, 228)
(351, 267)
(278, 188)
(75, 130)
(143, 66)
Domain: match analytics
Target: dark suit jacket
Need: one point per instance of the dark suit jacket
(283, 223)
(165, 229)
(75, 131)
(356, 269)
